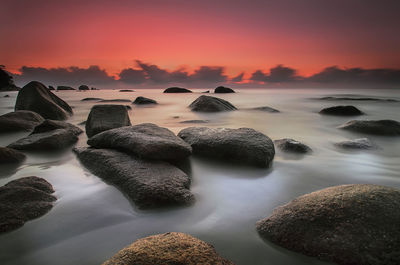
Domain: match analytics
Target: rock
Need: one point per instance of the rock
(177, 90)
(115, 100)
(51, 88)
(91, 99)
(6, 79)
(239, 146)
(376, 127)
(36, 97)
(105, 117)
(205, 92)
(169, 248)
(361, 143)
(348, 224)
(6, 96)
(195, 121)
(211, 104)
(128, 107)
(148, 183)
(93, 88)
(22, 200)
(222, 89)
(144, 140)
(8, 155)
(143, 100)
(65, 88)
(341, 111)
(21, 120)
(126, 90)
(46, 141)
(293, 146)
(83, 87)
(359, 99)
(50, 125)
(266, 109)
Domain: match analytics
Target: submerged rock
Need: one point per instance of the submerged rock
(115, 100)
(177, 90)
(211, 104)
(8, 155)
(239, 146)
(348, 224)
(223, 89)
(341, 111)
(22, 200)
(291, 145)
(144, 140)
(361, 143)
(195, 121)
(50, 125)
(127, 90)
(266, 109)
(376, 127)
(91, 99)
(358, 99)
(36, 97)
(106, 117)
(143, 100)
(169, 248)
(148, 183)
(21, 120)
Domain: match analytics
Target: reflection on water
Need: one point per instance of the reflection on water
(92, 220)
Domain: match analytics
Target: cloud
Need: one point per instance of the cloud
(132, 76)
(277, 74)
(238, 78)
(209, 74)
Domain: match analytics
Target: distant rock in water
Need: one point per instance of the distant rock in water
(65, 88)
(8, 155)
(205, 92)
(115, 100)
(149, 184)
(83, 87)
(348, 224)
(105, 117)
(50, 125)
(21, 120)
(357, 144)
(222, 89)
(177, 90)
(195, 121)
(36, 97)
(293, 146)
(266, 109)
(376, 127)
(143, 100)
(211, 104)
(240, 146)
(359, 99)
(127, 90)
(51, 88)
(144, 140)
(22, 200)
(6, 96)
(341, 111)
(169, 248)
(92, 99)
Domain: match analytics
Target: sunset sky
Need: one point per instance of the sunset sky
(241, 36)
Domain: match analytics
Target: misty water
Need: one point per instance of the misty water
(92, 220)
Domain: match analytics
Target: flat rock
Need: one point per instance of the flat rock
(22, 200)
(177, 90)
(36, 97)
(143, 100)
(361, 144)
(115, 100)
(375, 127)
(211, 104)
(341, 111)
(144, 140)
(266, 109)
(91, 99)
(148, 183)
(21, 120)
(223, 89)
(50, 125)
(291, 145)
(354, 224)
(169, 248)
(8, 155)
(127, 90)
(106, 117)
(239, 146)
(195, 121)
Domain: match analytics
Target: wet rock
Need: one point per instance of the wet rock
(50, 125)
(65, 88)
(177, 90)
(8, 155)
(36, 97)
(148, 183)
(169, 248)
(222, 89)
(266, 109)
(239, 146)
(21, 120)
(291, 145)
(22, 200)
(361, 144)
(115, 100)
(83, 87)
(144, 140)
(341, 111)
(376, 127)
(127, 90)
(143, 100)
(211, 104)
(91, 99)
(106, 117)
(195, 121)
(348, 224)
(359, 99)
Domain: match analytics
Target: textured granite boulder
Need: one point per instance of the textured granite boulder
(239, 146)
(354, 224)
(357, 144)
(375, 127)
(21, 120)
(292, 146)
(106, 117)
(144, 101)
(8, 155)
(341, 111)
(223, 89)
(169, 249)
(211, 104)
(177, 90)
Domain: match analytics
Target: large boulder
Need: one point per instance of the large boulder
(354, 224)
(341, 111)
(177, 90)
(106, 117)
(21, 120)
(239, 146)
(223, 89)
(376, 127)
(169, 249)
(50, 125)
(144, 140)
(292, 146)
(357, 144)
(148, 183)
(36, 97)
(8, 155)
(211, 104)
(22, 200)
(143, 100)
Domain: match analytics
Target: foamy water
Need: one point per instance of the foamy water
(92, 220)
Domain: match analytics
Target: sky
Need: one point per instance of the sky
(231, 41)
